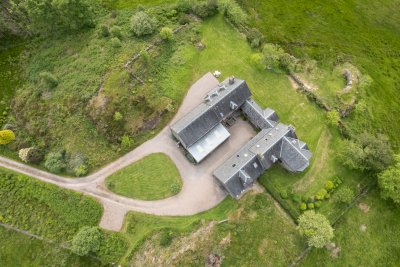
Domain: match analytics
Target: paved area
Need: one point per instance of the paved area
(199, 192)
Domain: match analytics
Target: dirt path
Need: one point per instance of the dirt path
(199, 191)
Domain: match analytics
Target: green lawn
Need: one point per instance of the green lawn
(153, 177)
(20, 250)
(378, 245)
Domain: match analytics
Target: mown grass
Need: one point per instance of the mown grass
(20, 250)
(153, 177)
(378, 245)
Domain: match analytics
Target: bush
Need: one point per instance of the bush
(184, 6)
(336, 181)
(310, 206)
(329, 185)
(205, 9)
(126, 141)
(87, 240)
(317, 204)
(344, 195)
(232, 11)
(31, 155)
(166, 238)
(145, 56)
(116, 31)
(117, 116)
(303, 206)
(296, 198)
(175, 188)
(48, 80)
(104, 31)
(78, 164)
(142, 24)
(6, 137)
(333, 117)
(328, 196)
(316, 228)
(321, 194)
(283, 194)
(166, 33)
(81, 170)
(55, 162)
(115, 42)
(184, 19)
(271, 56)
(389, 182)
(255, 37)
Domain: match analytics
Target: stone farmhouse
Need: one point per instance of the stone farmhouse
(203, 129)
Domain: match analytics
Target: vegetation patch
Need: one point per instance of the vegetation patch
(153, 177)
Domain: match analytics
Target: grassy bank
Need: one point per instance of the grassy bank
(153, 177)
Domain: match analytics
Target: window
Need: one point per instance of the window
(255, 165)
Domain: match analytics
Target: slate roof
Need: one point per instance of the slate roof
(277, 144)
(218, 104)
(261, 119)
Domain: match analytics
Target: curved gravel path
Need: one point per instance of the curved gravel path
(199, 191)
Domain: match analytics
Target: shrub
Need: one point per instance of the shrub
(317, 204)
(255, 37)
(303, 206)
(232, 11)
(329, 185)
(48, 79)
(184, 19)
(336, 180)
(184, 6)
(6, 137)
(166, 238)
(333, 117)
(166, 33)
(142, 24)
(271, 55)
(344, 195)
(117, 116)
(55, 162)
(328, 196)
(104, 31)
(304, 198)
(296, 198)
(87, 240)
(116, 31)
(316, 228)
(175, 188)
(77, 164)
(321, 194)
(126, 141)
(389, 182)
(145, 56)
(283, 194)
(31, 155)
(115, 42)
(310, 206)
(81, 170)
(205, 9)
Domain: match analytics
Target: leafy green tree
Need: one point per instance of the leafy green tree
(166, 33)
(344, 195)
(333, 117)
(6, 137)
(367, 152)
(389, 182)
(316, 228)
(232, 11)
(55, 162)
(271, 56)
(87, 240)
(143, 24)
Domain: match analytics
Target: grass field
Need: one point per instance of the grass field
(153, 177)
(19, 250)
(364, 33)
(376, 246)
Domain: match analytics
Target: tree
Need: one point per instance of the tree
(31, 155)
(6, 136)
(232, 11)
(344, 195)
(87, 240)
(166, 33)
(142, 24)
(316, 228)
(271, 56)
(333, 117)
(389, 182)
(55, 162)
(367, 152)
